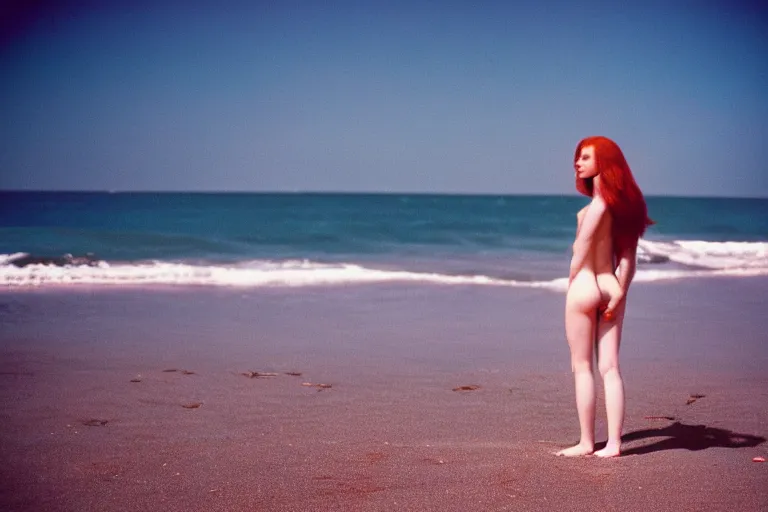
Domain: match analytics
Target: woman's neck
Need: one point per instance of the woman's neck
(596, 186)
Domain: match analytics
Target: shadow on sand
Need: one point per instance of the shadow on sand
(689, 437)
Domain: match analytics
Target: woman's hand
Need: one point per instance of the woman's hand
(609, 313)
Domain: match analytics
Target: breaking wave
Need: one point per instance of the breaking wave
(695, 259)
(706, 255)
(257, 273)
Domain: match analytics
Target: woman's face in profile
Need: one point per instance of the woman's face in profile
(586, 165)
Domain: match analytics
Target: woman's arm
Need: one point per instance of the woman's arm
(586, 234)
(625, 272)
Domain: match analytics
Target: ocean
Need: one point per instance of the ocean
(310, 239)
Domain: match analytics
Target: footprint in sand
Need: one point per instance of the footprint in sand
(95, 423)
(319, 387)
(470, 387)
(258, 375)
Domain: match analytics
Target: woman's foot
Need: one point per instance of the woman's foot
(612, 449)
(577, 451)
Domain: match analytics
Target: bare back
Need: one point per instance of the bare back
(599, 267)
(600, 257)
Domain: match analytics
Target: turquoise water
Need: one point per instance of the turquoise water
(512, 238)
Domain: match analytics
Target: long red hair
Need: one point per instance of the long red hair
(619, 190)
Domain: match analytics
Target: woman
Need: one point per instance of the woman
(602, 269)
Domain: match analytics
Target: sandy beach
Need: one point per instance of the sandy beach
(95, 382)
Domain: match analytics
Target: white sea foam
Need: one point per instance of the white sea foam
(709, 255)
(8, 258)
(252, 274)
(741, 259)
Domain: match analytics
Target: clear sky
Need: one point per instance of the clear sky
(411, 96)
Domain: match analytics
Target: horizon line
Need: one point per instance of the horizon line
(343, 192)
(348, 193)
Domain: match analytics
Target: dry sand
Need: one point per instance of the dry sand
(390, 433)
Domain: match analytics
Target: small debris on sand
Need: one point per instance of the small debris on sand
(135, 380)
(670, 418)
(470, 387)
(193, 405)
(256, 375)
(319, 386)
(170, 370)
(187, 372)
(95, 423)
(693, 398)
(293, 374)
(758, 459)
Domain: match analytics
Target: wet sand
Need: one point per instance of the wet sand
(93, 421)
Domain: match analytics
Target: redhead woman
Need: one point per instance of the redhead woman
(602, 269)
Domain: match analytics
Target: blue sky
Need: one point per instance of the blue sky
(454, 97)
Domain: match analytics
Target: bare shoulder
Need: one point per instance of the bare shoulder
(597, 206)
(597, 203)
(595, 210)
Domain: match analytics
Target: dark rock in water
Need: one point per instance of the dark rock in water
(658, 258)
(59, 261)
(652, 258)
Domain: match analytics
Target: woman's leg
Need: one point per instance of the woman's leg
(580, 316)
(608, 342)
